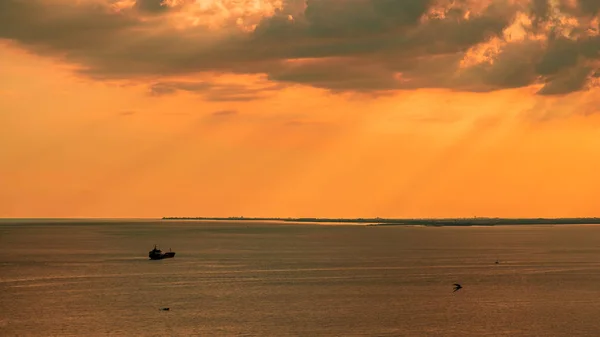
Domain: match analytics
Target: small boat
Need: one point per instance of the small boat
(157, 254)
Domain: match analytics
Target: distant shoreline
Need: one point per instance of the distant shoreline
(422, 222)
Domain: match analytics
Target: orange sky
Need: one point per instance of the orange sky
(135, 130)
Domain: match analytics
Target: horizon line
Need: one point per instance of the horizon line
(376, 217)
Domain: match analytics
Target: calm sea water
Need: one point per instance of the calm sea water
(76, 278)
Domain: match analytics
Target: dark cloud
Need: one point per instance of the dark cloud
(352, 45)
(165, 88)
(127, 113)
(213, 91)
(591, 7)
(357, 18)
(337, 74)
(224, 113)
(62, 27)
(151, 6)
(584, 8)
(511, 68)
(570, 80)
(561, 53)
(564, 64)
(540, 12)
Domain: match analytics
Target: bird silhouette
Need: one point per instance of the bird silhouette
(457, 287)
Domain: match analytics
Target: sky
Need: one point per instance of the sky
(299, 108)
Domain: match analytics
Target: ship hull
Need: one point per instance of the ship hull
(157, 254)
(162, 256)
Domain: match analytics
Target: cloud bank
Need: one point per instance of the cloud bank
(338, 45)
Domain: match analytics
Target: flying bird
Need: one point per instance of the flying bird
(457, 287)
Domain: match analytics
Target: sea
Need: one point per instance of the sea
(94, 278)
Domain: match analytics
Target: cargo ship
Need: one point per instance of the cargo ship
(157, 254)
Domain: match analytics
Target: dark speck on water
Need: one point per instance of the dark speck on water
(93, 278)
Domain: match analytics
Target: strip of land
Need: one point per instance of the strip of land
(422, 222)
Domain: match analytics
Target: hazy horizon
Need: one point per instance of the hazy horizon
(299, 217)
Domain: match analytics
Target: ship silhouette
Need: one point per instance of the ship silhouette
(157, 254)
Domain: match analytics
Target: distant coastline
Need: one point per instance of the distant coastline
(423, 222)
